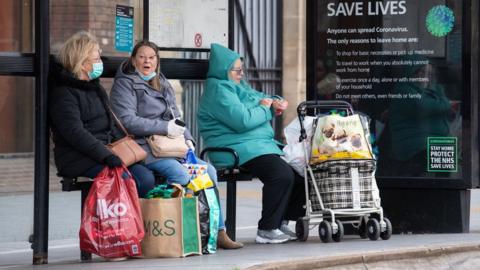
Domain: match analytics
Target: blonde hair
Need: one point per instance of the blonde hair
(75, 51)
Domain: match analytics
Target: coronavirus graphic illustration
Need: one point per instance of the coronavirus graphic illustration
(440, 20)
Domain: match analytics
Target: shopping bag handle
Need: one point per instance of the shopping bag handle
(179, 191)
(118, 171)
(103, 173)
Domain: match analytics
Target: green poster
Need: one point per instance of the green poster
(442, 154)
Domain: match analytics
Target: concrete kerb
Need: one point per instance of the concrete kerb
(368, 258)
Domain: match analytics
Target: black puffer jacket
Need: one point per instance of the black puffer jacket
(80, 120)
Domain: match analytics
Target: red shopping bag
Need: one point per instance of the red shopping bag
(112, 223)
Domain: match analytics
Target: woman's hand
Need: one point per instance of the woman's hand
(174, 130)
(190, 145)
(112, 161)
(279, 105)
(267, 102)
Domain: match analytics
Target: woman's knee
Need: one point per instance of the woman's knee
(178, 175)
(172, 170)
(144, 178)
(212, 172)
(289, 178)
(284, 177)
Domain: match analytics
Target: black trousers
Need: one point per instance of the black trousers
(283, 192)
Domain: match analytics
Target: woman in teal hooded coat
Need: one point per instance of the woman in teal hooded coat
(232, 114)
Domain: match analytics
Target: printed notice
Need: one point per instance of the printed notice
(442, 154)
(124, 28)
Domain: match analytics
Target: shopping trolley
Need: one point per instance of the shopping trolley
(339, 192)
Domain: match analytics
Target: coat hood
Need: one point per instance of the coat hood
(221, 60)
(127, 71)
(59, 76)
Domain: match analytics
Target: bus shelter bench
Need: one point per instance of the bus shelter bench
(231, 175)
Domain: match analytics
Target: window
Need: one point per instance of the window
(16, 19)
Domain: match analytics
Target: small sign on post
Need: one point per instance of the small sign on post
(442, 154)
(124, 28)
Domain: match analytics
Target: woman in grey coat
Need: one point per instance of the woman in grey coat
(144, 101)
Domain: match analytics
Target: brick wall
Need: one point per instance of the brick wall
(70, 16)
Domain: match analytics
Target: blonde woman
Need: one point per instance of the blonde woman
(81, 122)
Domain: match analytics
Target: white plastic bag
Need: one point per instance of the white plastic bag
(294, 150)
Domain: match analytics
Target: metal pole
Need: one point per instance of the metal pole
(311, 48)
(231, 25)
(40, 200)
(146, 14)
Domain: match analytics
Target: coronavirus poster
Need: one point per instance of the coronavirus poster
(399, 62)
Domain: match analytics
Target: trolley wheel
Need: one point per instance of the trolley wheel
(325, 231)
(385, 235)
(362, 228)
(339, 235)
(373, 229)
(302, 229)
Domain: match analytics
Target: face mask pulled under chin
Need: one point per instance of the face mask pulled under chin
(147, 77)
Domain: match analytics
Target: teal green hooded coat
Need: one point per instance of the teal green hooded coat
(230, 114)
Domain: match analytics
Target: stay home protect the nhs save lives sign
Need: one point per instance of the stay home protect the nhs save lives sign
(442, 154)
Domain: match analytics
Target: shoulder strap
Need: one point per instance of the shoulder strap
(118, 121)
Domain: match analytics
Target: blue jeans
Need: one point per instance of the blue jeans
(176, 173)
(143, 177)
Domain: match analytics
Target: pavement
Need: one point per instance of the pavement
(404, 251)
(17, 174)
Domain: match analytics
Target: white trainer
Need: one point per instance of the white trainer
(271, 237)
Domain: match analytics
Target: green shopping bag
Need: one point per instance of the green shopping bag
(209, 213)
(171, 226)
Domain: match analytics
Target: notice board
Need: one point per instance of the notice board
(188, 24)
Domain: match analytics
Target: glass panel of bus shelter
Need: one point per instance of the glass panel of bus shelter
(16, 158)
(399, 62)
(16, 127)
(16, 19)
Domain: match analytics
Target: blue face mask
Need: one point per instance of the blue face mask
(96, 71)
(147, 77)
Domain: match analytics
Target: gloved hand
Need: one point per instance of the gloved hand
(190, 145)
(174, 129)
(112, 161)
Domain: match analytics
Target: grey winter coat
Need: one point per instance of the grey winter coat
(143, 110)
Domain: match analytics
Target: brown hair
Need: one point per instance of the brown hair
(155, 82)
(75, 51)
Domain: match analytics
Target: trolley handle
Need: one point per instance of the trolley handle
(319, 104)
(324, 104)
